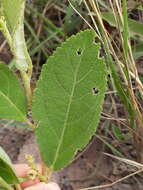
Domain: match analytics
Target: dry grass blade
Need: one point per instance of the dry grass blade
(127, 161)
(115, 182)
(88, 24)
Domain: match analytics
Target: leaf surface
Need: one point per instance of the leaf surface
(12, 12)
(138, 50)
(68, 99)
(6, 169)
(135, 27)
(13, 103)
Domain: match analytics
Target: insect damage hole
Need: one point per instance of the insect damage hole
(79, 51)
(95, 91)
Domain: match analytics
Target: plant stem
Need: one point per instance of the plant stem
(5, 31)
(26, 82)
(23, 60)
(18, 187)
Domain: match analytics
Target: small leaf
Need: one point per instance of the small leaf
(138, 50)
(135, 27)
(12, 12)
(65, 104)
(6, 169)
(12, 99)
(117, 132)
(1, 188)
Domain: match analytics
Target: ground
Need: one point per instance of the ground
(90, 168)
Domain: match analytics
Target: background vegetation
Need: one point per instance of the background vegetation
(119, 28)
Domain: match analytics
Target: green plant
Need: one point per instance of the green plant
(68, 98)
(120, 59)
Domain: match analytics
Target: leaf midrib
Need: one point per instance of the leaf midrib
(68, 110)
(13, 105)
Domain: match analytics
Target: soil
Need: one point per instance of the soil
(12, 139)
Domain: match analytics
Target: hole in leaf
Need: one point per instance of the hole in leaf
(101, 52)
(96, 40)
(95, 91)
(109, 76)
(79, 51)
(82, 156)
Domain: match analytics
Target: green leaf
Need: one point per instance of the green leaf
(117, 132)
(6, 169)
(12, 99)
(135, 27)
(1, 188)
(12, 11)
(71, 17)
(138, 50)
(68, 99)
